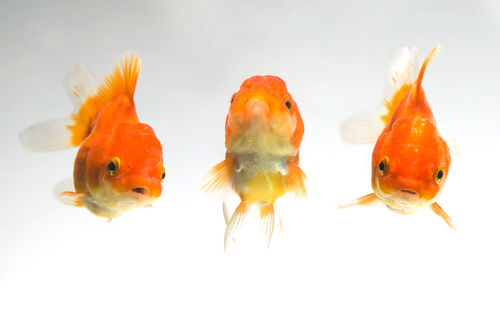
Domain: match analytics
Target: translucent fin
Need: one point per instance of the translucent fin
(78, 86)
(453, 146)
(439, 211)
(64, 192)
(295, 181)
(225, 212)
(235, 222)
(362, 128)
(267, 217)
(47, 136)
(219, 177)
(365, 200)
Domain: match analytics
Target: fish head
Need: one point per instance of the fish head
(263, 106)
(125, 169)
(410, 164)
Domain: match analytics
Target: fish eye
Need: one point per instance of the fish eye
(439, 176)
(114, 166)
(288, 105)
(382, 167)
(163, 175)
(232, 98)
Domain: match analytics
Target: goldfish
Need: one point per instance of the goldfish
(263, 133)
(119, 164)
(410, 160)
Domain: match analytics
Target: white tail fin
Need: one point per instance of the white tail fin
(78, 86)
(365, 127)
(53, 135)
(47, 136)
(362, 128)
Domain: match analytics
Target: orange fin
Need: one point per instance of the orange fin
(71, 198)
(295, 181)
(122, 81)
(428, 58)
(235, 222)
(365, 200)
(218, 177)
(439, 211)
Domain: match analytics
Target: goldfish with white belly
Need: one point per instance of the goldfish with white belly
(119, 165)
(410, 160)
(264, 130)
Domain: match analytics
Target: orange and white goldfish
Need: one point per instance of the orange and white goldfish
(410, 160)
(264, 130)
(119, 165)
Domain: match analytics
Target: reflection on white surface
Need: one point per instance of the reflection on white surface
(195, 54)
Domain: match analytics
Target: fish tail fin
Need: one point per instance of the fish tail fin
(403, 71)
(267, 217)
(440, 212)
(418, 84)
(364, 200)
(365, 127)
(234, 222)
(71, 131)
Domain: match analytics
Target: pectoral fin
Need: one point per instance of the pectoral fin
(365, 200)
(439, 211)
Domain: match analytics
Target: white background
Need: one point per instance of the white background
(333, 56)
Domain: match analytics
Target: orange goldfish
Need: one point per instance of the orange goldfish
(264, 130)
(410, 160)
(119, 165)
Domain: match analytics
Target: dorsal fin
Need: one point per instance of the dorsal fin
(428, 58)
(122, 81)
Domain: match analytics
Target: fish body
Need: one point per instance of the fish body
(264, 130)
(410, 160)
(119, 165)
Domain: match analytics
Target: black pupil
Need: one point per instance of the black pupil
(288, 105)
(163, 175)
(232, 99)
(440, 174)
(111, 166)
(381, 166)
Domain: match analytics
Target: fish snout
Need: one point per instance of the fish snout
(257, 109)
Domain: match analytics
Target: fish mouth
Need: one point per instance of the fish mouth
(407, 191)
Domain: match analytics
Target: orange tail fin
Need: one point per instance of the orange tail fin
(68, 132)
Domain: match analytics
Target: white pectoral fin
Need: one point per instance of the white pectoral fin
(47, 136)
(362, 128)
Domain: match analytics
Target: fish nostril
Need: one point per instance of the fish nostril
(408, 191)
(140, 190)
